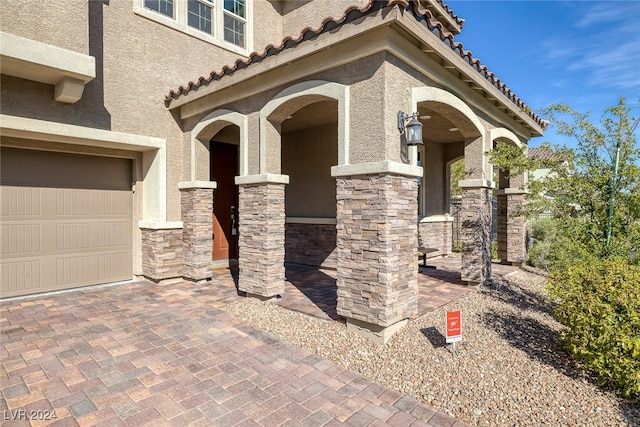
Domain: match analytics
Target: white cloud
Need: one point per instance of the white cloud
(604, 46)
(607, 12)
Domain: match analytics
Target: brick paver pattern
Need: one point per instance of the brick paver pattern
(167, 355)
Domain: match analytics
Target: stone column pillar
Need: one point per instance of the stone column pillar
(377, 216)
(161, 250)
(436, 233)
(197, 230)
(516, 232)
(476, 231)
(261, 234)
(502, 225)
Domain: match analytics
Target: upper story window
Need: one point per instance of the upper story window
(223, 22)
(164, 7)
(235, 18)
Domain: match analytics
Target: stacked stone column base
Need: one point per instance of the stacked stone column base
(161, 253)
(516, 230)
(476, 234)
(197, 231)
(261, 224)
(377, 252)
(512, 228)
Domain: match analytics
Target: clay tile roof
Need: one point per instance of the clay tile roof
(455, 17)
(424, 16)
(543, 153)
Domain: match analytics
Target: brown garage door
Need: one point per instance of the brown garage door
(65, 221)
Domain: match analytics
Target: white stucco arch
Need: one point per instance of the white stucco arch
(312, 88)
(506, 134)
(434, 94)
(427, 93)
(214, 123)
(502, 133)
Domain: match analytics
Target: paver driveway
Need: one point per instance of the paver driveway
(143, 353)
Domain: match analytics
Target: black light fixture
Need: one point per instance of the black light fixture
(413, 128)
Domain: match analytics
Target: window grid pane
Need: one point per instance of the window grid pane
(237, 7)
(233, 30)
(199, 16)
(164, 7)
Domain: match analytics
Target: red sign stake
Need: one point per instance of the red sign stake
(454, 328)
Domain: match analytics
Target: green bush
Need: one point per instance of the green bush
(599, 302)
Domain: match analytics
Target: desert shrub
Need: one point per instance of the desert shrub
(599, 302)
(543, 234)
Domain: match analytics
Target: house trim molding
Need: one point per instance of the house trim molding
(28, 59)
(154, 156)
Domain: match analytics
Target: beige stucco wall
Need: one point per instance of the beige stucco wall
(37, 20)
(307, 157)
(298, 14)
(266, 14)
(137, 62)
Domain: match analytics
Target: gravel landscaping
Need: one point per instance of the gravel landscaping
(509, 369)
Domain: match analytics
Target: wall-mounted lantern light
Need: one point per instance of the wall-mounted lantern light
(413, 128)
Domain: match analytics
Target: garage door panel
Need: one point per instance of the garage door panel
(114, 204)
(20, 239)
(58, 238)
(72, 203)
(114, 265)
(20, 202)
(54, 272)
(73, 271)
(21, 277)
(113, 235)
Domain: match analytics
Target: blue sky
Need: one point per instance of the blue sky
(583, 53)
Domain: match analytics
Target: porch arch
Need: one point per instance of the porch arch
(474, 132)
(427, 93)
(510, 225)
(504, 134)
(209, 126)
(456, 130)
(307, 92)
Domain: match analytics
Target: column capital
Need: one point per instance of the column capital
(476, 183)
(263, 178)
(191, 185)
(384, 167)
(511, 191)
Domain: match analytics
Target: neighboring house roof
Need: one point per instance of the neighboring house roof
(543, 153)
(424, 16)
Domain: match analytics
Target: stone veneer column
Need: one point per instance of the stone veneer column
(476, 231)
(516, 227)
(436, 232)
(161, 250)
(261, 229)
(502, 219)
(377, 217)
(197, 231)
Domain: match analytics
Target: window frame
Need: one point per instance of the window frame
(179, 22)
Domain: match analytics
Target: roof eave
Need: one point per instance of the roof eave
(201, 99)
(446, 16)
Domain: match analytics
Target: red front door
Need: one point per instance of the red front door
(224, 164)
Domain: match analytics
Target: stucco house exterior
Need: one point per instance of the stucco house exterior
(119, 162)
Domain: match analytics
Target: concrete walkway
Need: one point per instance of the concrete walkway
(147, 354)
